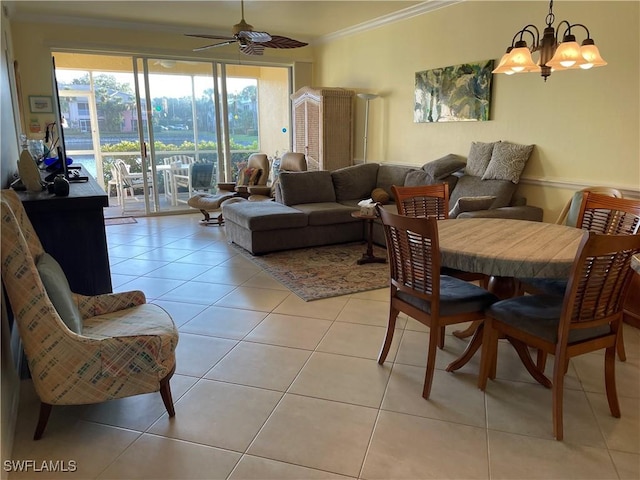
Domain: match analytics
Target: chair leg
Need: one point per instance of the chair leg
(165, 392)
(557, 393)
(391, 326)
(434, 341)
(443, 332)
(45, 411)
(620, 346)
(610, 380)
(207, 220)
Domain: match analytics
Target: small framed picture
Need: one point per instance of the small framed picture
(40, 104)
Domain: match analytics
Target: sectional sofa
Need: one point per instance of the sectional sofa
(314, 208)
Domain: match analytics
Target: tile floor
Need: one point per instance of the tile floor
(270, 387)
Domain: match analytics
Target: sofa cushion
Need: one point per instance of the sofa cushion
(263, 216)
(471, 204)
(479, 158)
(443, 167)
(327, 213)
(391, 175)
(507, 161)
(471, 186)
(354, 182)
(307, 187)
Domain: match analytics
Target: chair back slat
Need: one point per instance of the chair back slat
(609, 215)
(601, 275)
(423, 201)
(414, 256)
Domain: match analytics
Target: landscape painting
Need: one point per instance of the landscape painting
(459, 93)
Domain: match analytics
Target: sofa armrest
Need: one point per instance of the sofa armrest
(227, 187)
(522, 212)
(259, 190)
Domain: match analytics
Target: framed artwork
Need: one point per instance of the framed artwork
(459, 93)
(40, 104)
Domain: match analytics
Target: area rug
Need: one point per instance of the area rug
(119, 221)
(323, 272)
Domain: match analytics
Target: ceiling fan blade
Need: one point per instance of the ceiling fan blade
(221, 44)
(259, 37)
(211, 37)
(283, 42)
(252, 49)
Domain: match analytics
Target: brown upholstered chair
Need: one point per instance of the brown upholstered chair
(587, 318)
(254, 174)
(418, 289)
(80, 349)
(290, 162)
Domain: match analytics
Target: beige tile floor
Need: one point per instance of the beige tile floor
(270, 387)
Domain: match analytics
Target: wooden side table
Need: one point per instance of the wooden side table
(368, 256)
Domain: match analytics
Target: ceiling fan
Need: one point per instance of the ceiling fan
(249, 41)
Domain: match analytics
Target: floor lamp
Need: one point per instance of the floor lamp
(367, 97)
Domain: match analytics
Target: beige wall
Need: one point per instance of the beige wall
(585, 124)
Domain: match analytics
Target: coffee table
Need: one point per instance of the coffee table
(368, 256)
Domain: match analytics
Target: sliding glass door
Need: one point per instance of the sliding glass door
(167, 119)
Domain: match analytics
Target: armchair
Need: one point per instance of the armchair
(254, 174)
(80, 349)
(290, 162)
(177, 175)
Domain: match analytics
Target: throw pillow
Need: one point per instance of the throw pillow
(443, 167)
(415, 178)
(479, 158)
(471, 204)
(379, 195)
(249, 176)
(507, 161)
(57, 287)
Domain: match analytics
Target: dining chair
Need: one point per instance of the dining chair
(423, 200)
(419, 290)
(433, 200)
(80, 349)
(599, 213)
(587, 318)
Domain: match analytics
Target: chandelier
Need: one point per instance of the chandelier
(554, 55)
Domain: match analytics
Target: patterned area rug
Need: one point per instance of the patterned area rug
(323, 272)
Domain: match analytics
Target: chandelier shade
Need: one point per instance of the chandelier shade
(553, 55)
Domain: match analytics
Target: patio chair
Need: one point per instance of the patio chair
(587, 318)
(419, 290)
(80, 349)
(126, 182)
(178, 175)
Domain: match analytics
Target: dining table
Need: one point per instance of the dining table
(505, 250)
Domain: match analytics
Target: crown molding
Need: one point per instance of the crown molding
(404, 14)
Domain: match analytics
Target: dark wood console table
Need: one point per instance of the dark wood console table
(72, 230)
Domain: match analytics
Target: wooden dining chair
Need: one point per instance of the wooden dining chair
(587, 318)
(599, 213)
(419, 290)
(423, 200)
(432, 200)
